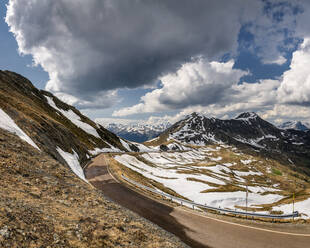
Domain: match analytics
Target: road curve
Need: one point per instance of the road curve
(193, 229)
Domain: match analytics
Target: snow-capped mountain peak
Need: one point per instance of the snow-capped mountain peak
(296, 125)
(137, 132)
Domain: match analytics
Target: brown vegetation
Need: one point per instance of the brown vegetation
(43, 204)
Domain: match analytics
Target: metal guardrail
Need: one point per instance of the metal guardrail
(221, 210)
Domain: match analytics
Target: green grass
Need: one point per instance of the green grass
(276, 172)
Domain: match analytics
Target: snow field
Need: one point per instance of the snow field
(180, 172)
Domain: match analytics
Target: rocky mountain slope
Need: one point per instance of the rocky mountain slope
(297, 125)
(137, 132)
(43, 204)
(248, 132)
(51, 125)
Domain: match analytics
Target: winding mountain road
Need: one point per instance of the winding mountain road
(194, 229)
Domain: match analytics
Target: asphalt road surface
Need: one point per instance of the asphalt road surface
(194, 229)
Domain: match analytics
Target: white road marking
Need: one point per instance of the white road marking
(223, 221)
(236, 224)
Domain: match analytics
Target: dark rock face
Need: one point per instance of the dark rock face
(247, 131)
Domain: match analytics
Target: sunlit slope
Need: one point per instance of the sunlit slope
(218, 175)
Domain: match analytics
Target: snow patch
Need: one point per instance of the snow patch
(9, 125)
(73, 162)
(216, 159)
(248, 161)
(143, 148)
(302, 207)
(97, 150)
(125, 144)
(253, 142)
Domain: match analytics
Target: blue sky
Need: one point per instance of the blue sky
(10, 58)
(129, 65)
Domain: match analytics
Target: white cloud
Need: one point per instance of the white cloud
(107, 121)
(295, 86)
(248, 97)
(195, 83)
(102, 99)
(279, 61)
(281, 112)
(152, 120)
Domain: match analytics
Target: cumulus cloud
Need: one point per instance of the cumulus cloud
(195, 83)
(260, 98)
(295, 86)
(256, 97)
(280, 60)
(95, 101)
(283, 112)
(227, 98)
(99, 45)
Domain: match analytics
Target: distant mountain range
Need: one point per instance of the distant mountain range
(297, 125)
(137, 132)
